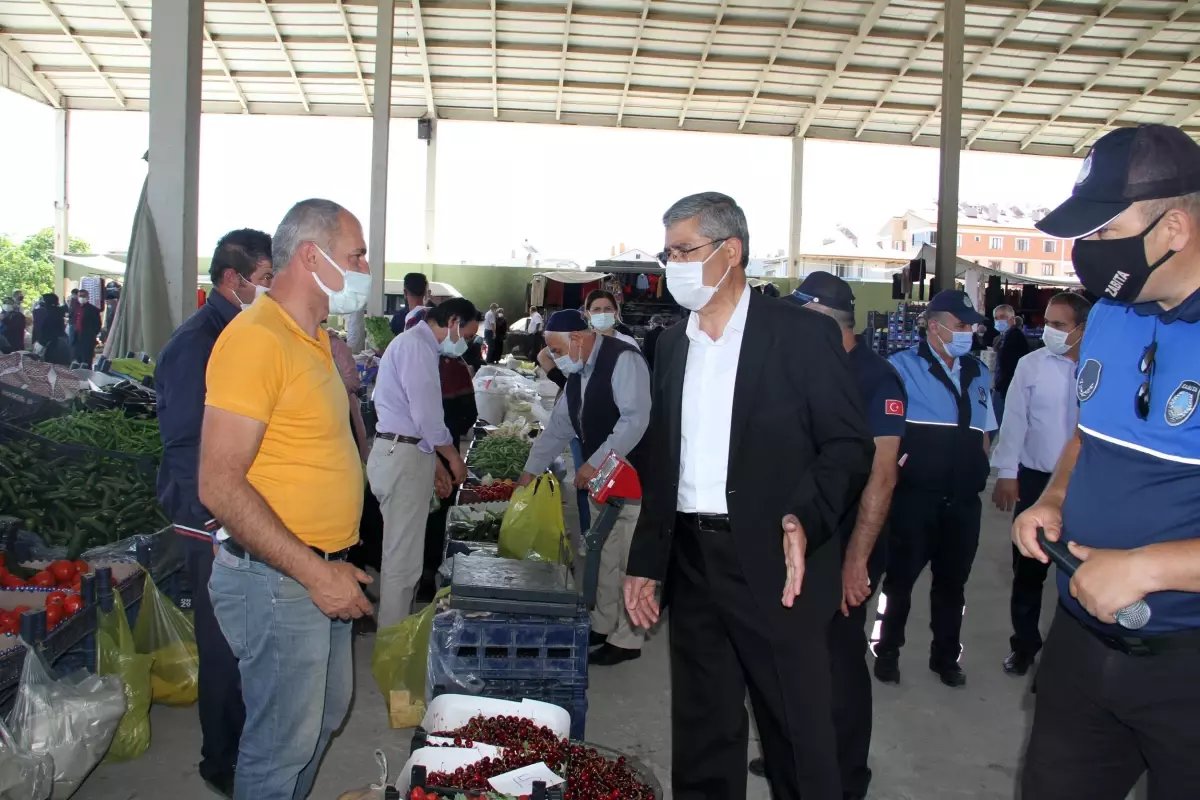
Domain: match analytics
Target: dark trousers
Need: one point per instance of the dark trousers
(943, 533)
(84, 350)
(222, 713)
(1102, 718)
(852, 703)
(723, 643)
(1029, 574)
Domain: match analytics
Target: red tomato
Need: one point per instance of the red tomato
(57, 596)
(43, 580)
(7, 620)
(62, 570)
(77, 584)
(19, 610)
(72, 605)
(12, 582)
(81, 567)
(54, 615)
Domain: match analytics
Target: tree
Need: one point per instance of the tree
(29, 266)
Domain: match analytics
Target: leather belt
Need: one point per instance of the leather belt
(707, 522)
(395, 437)
(1181, 642)
(237, 550)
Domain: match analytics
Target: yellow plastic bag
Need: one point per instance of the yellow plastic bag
(399, 661)
(533, 523)
(167, 634)
(116, 655)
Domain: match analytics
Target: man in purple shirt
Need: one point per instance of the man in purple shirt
(402, 467)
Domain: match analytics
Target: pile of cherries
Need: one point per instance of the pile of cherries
(589, 775)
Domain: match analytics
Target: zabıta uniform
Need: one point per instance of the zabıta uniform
(1113, 703)
(936, 508)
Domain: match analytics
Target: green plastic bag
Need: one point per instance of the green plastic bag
(167, 634)
(116, 655)
(533, 523)
(399, 662)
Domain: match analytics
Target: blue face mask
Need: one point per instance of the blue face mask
(1001, 325)
(959, 344)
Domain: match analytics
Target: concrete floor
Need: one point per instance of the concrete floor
(930, 742)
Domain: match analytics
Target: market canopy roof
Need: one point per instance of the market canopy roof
(1042, 76)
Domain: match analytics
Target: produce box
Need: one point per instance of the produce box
(21, 407)
(483, 648)
(498, 455)
(476, 527)
(113, 431)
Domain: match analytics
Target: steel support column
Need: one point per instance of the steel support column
(951, 141)
(431, 192)
(381, 128)
(62, 238)
(797, 207)
(173, 192)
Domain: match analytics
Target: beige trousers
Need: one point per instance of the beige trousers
(401, 478)
(610, 617)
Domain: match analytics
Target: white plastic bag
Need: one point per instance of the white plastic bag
(71, 719)
(23, 776)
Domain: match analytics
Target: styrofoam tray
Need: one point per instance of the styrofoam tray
(450, 711)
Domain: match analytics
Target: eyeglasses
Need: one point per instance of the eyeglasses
(1141, 401)
(677, 253)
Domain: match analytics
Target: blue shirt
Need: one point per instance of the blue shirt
(881, 389)
(180, 386)
(1137, 482)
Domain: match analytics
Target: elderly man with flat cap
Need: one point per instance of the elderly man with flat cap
(606, 404)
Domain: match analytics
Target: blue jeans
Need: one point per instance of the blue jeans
(297, 675)
(585, 511)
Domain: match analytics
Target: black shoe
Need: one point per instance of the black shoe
(609, 655)
(426, 589)
(887, 668)
(1018, 663)
(596, 639)
(758, 766)
(951, 674)
(221, 784)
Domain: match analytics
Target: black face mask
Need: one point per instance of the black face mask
(1116, 268)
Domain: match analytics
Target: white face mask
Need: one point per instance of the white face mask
(685, 280)
(6, 308)
(259, 291)
(353, 294)
(604, 321)
(454, 349)
(1056, 340)
(568, 365)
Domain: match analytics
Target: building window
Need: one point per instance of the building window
(898, 245)
(1070, 273)
(994, 265)
(1022, 245)
(1047, 268)
(996, 243)
(958, 240)
(1022, 268)
(977, 238)
(1049, 245)
(846, 270)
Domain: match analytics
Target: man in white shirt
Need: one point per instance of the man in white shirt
(757, 450)
(1040, 417)
(489, 327)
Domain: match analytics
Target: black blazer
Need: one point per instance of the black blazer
(799, 445)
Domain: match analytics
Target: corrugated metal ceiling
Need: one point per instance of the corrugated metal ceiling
(1043, 77)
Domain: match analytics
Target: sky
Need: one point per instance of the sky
(573, 192)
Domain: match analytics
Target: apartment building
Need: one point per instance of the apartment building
(1001, 238)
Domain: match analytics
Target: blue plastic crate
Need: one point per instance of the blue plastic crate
(570, 695)
(511, 646)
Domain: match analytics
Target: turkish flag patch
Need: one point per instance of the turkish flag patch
(894, 408)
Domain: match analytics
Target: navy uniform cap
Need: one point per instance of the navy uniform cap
(1147, 162)
(566, 321)
(956, 302)
(826, 289)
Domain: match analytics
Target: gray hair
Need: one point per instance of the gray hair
(1003, 307)
(718, 215)
(844, 319)
(313, 220)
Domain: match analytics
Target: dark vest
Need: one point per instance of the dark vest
(600, 412)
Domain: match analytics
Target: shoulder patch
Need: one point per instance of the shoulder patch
(893, 408)
(1089, 379)
(1182, 403)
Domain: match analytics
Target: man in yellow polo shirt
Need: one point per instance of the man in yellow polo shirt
(280, 471)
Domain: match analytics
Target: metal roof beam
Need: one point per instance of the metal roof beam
(66, 29)
(1193, 56)
(930, 35)
(27, 67)
(839, 66)
(984, 54)
(286, 56)
(1186, 114)
(362, 82)
(712, 34)
(637, 43)
(562, 66)
(496, 66)
(419, 25)
(766, 70)
(237, 89)
(133, 25)
(1080, 31)
(1108, 67)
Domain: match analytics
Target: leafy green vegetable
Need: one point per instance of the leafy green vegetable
(500, 456)
(379, 332)
(108, 430)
